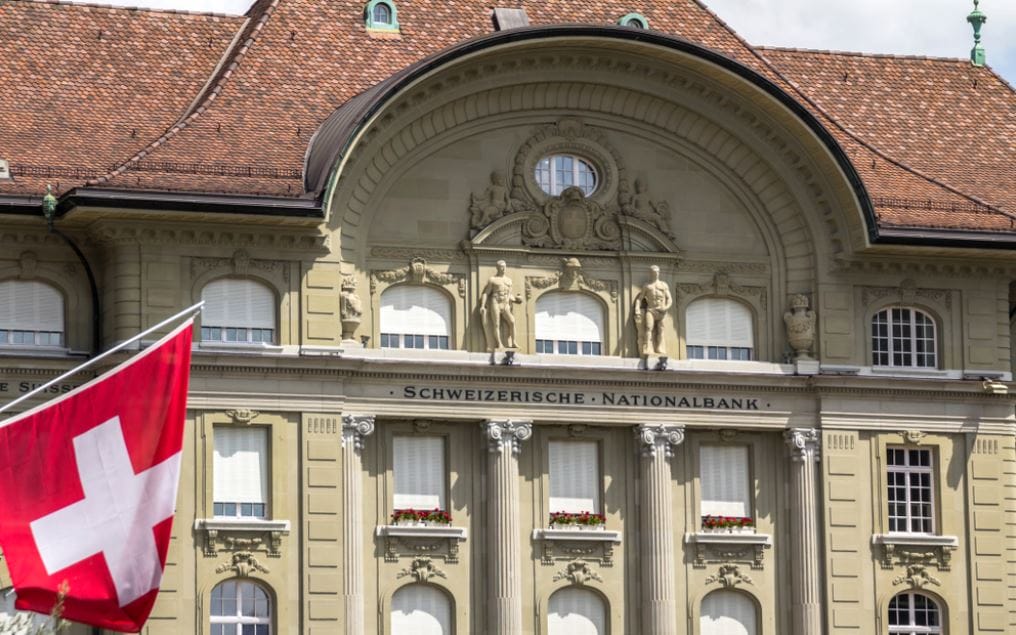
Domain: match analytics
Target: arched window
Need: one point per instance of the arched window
(574, 611)
(903, 338)
(381, 15)
(569, 324)
(31, 314)
(415, 316)
(557, 172)
(238, 310)
(240, 608)
(421, 609)
(719, 328)
(914, 614)
(728, 613)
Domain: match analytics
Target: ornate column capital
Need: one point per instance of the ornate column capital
(355, 428)
(659, 440)
(803, 443)
(508, 432)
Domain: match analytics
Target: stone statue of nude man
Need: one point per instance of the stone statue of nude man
(651, 307)
(496, 310)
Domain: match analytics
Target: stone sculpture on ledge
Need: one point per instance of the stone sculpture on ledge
(496, 302)
(652, 304)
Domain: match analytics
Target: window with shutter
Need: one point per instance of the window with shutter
(719, 328)
(724, 477)
(238, 310)
(569, 324)
(728, 613)
(573, 611)
(420, 609)
(240, 472)
(31, 314)
(415, 316)
(574, 476)
(419, 472)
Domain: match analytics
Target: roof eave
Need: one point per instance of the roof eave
(940, 237)
(190, 202)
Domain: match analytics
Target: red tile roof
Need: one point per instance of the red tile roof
(148, 106)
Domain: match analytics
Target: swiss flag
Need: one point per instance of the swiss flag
(88, 487)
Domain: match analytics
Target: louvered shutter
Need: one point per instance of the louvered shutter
(416, 310)
(728, 613)
(718, 322)
(574, 476)
(724, 478)
(569, 316)
(574, 611)
(240, 465)
(27, 305)
(418, 609)
(233, 302)
(419, 467)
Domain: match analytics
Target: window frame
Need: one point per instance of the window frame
(555, 346)
(248, 341)
(7, 333)
(750, 472)
(751, 599)
(448, 596)
(709, 349)
(267, 504)
(383, 337)
(874, 352)
(552, 171)
(239, 620)
(445, 450)
(911, 628)
(372, 25)
(603, 600)
(907, 471)
(599, 475)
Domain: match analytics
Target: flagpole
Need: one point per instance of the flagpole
(188, 312)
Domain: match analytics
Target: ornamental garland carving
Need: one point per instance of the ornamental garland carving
(243, 564)
(577, 573)
(571, 278)
(421, 569)
(241, 264)
(906, 293)
(242, 415)
(722, 285)
(417, 272)
(917, 577)
(729, 576)
(901, 554)
(752, 555)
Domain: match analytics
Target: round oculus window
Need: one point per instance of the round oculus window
(558, 172)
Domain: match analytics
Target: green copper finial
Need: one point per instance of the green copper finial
(977, 20)
(49, 204)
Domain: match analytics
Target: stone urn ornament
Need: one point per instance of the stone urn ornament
(800, 323)
(350, 308)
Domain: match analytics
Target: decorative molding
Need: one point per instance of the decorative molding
(729, 576)
(986, 446)
(727, 267)
(229, 534)
(422, 570)
(242, 415)
(417, 272)
(571, 278)
(722, 285)
(658, 439)
(241, 264)
(915, 549)
(417, 542)
(355, 429)
(745, 548)
(906, 293)
(577, 573)
(586, 544)
(407, 253)
(508, 432)
(803, 444)
(727, 435)
(917, 577)
(422, 425)
(912, 436)
(28, 263)
(242, 563)
(269, 238)
(322, 424)
(840, 440)
(937, 268)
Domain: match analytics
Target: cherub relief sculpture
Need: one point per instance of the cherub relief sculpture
(492, 204)
(652, 304)
(639, 205)
(496, 302)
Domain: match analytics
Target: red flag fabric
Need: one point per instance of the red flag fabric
(88, 487)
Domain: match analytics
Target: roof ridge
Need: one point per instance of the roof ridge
(871, 147)
(894, 56)
(125, 9)
(217, 81)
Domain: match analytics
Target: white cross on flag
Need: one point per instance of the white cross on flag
(88, 488)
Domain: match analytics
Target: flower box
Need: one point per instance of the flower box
(578, 520)
(728, 524)
(421, 517)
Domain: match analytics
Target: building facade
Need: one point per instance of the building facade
(620, 327)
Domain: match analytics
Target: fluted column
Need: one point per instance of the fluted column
(355, 428)
(504, 440)
(805, 557)
(656, 541)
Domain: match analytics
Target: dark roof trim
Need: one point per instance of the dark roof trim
(185, 202)
(341, 127)
(21, 205)
(959, 238)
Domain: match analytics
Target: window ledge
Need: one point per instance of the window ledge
(422, 531)
(239, 348)
(241, 524)
(721, 538)
(905, 371)
(268, 533)
(582, 535)
(924, 540)
(36, 351)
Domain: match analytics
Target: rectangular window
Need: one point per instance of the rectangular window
(696, 352)
(724, 474)
(574, 476)
(910, 491)
(419, 472)
(240, 472)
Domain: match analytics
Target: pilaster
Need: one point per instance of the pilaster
(806, 574)
(504, 441)
(656, 547)
(355, 429)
